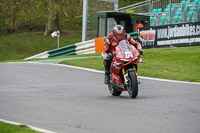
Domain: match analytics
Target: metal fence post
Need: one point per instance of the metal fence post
(116, 3)
(196, 14)
(183, 14)
(150, 6)
(58, 34)
(84, 23)
(170, 12)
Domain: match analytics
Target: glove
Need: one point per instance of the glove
(140, 51)
(109, 56)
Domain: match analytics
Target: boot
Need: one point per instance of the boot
(107, 77)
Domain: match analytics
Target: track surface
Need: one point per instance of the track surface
(68, 100)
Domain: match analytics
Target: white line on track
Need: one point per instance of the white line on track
(32, 127)
(98, 71)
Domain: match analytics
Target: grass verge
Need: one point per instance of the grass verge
(178, 63)
(22, 45)
(9, 128)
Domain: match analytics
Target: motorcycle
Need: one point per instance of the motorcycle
(123, 76)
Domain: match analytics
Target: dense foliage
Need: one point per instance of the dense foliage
(43, 15)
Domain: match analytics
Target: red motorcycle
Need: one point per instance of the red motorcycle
(123, 70)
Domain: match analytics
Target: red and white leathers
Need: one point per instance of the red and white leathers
(110, 43)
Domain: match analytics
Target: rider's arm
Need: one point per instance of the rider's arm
(107, 46)
(137, 45)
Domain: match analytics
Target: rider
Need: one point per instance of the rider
(110, 42)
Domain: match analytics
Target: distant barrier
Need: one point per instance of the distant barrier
(86, 47)
(63, 50)
(73, 49)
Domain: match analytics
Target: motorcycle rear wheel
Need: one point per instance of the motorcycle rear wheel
(132, 84)
(112, 89)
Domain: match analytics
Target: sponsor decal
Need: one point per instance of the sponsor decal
(147, 37)
(184, 30)
(107, 40)
(132, 40)
(184, 34)
(115, 77)
(104, 46)
(114, 43)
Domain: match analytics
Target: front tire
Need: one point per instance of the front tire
(132, 84)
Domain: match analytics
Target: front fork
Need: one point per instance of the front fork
(126, 75)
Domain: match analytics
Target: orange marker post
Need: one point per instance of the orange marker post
(99, 44)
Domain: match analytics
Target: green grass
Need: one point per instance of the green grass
(21, 45)
(94, 63)
(181, 63)
(9, 128)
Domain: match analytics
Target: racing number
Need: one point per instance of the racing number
(128, 54)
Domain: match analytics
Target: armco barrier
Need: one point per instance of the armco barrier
(40, 56)
(85, 45)
(91, 46)
(61, 51)
(86, 51)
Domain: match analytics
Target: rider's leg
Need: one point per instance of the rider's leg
(107, 64)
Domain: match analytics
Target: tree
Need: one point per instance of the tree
(61, 8)
(52, 23)
(31, 12)
(9, 9)
(16, 13)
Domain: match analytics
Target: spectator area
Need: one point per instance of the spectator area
(185, 11)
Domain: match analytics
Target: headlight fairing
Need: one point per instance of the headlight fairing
(124, 61)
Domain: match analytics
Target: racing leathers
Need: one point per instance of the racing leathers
(109, 44)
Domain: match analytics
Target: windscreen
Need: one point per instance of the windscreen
(125, 46)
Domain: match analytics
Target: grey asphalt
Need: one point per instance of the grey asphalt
(68, 100)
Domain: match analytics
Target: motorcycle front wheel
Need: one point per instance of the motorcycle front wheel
(132, 86)
(112, 89)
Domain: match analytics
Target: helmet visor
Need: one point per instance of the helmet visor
(119, 36)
